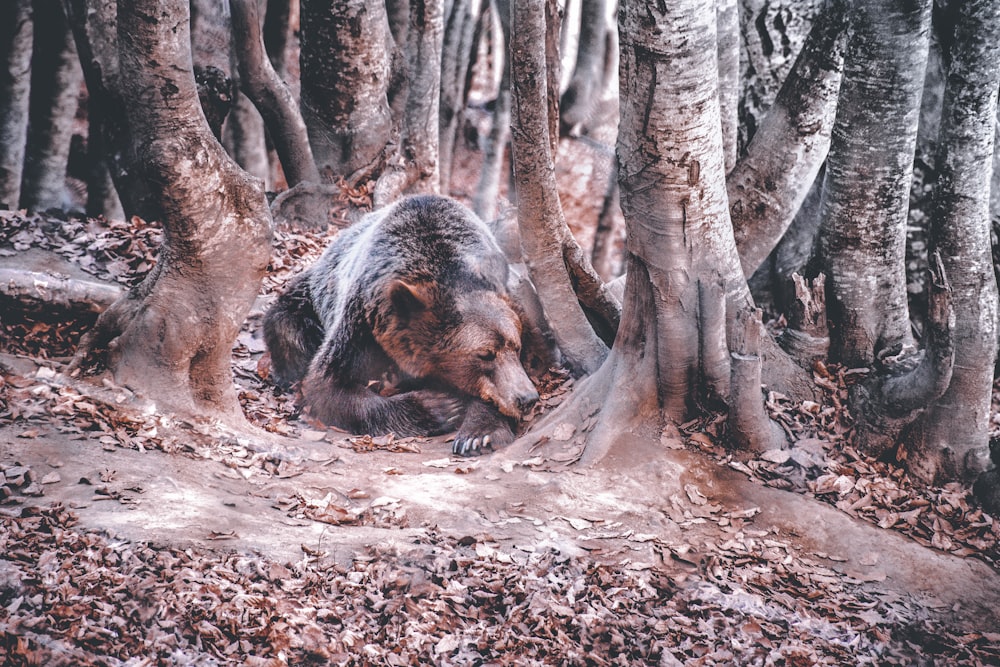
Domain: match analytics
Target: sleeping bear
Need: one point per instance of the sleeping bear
(404, 325)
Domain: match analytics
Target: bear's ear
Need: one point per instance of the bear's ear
(409, 299)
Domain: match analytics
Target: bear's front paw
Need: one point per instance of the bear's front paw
(438, 412)
(472, 441)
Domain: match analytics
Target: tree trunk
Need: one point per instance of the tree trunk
(544, 234)
(55, 89)
(580, 99)
(728, 45)
(271, 96)
(456, 54)
(683, 277)
(866, 192)
(772, 34)
(416, 167)
(346, 69)
(94, 30)
(768, 185)
(277, 33)
(15, 48)
(170, 338)
(952, 439)
(488, 189)
(605, 255)
(102, 198)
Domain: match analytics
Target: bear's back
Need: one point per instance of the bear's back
(423, 238)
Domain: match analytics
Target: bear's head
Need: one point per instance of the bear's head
(470, 340)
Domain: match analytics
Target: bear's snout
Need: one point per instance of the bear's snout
(526, 401)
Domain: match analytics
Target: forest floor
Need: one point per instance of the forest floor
(132, 537)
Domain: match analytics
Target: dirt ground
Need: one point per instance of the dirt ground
(764, 554)
(134, 538)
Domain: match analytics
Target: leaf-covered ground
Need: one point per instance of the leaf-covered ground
(715, 589)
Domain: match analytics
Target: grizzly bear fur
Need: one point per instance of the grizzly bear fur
(414, 297)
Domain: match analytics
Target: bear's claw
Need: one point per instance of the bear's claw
(471, 446)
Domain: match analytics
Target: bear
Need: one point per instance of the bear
(405, 325)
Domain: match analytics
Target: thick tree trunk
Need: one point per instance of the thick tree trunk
(768, 185)
(952, 438)
(866, 192)
(346, 71)
(271, 96)
(15, 50)
(415, 168)
(55, 89)
(170, 338)
(891, 398)
(670, 354)
(456, 55)
(544, 234)
(583, 93)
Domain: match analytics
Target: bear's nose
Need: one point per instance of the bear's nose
(526, 401)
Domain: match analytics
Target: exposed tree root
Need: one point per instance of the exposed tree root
(57, 290)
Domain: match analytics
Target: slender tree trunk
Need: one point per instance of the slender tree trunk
(55, 89)
(952, 438)
(488, 189)
(170, 338)
(102, 198)
(415, 168)
(579, 100)
(768, 185)
(604, 255)
(277, 34)
(94, 24)
(346, 69)
(772, 33)
(728, 44)
(271, 96)
(15, 49)
(456, 54)
(866, 192)
(544, 234)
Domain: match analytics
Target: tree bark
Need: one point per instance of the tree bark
(94, 25)
(683, 278)
(102, 198)
(866, 192)
(728, 45)
(456, 54)
(15, 49)
(170, 338)
(488, 188)
(346, 69)
(772, 34)
(604, 255)
(749, 425)
(277, 33)
(416, 167)
(55, 89)
(951, 441)
(271, 96)
(902, 386)
(768, 185)
(544, 234)
(579, 100)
